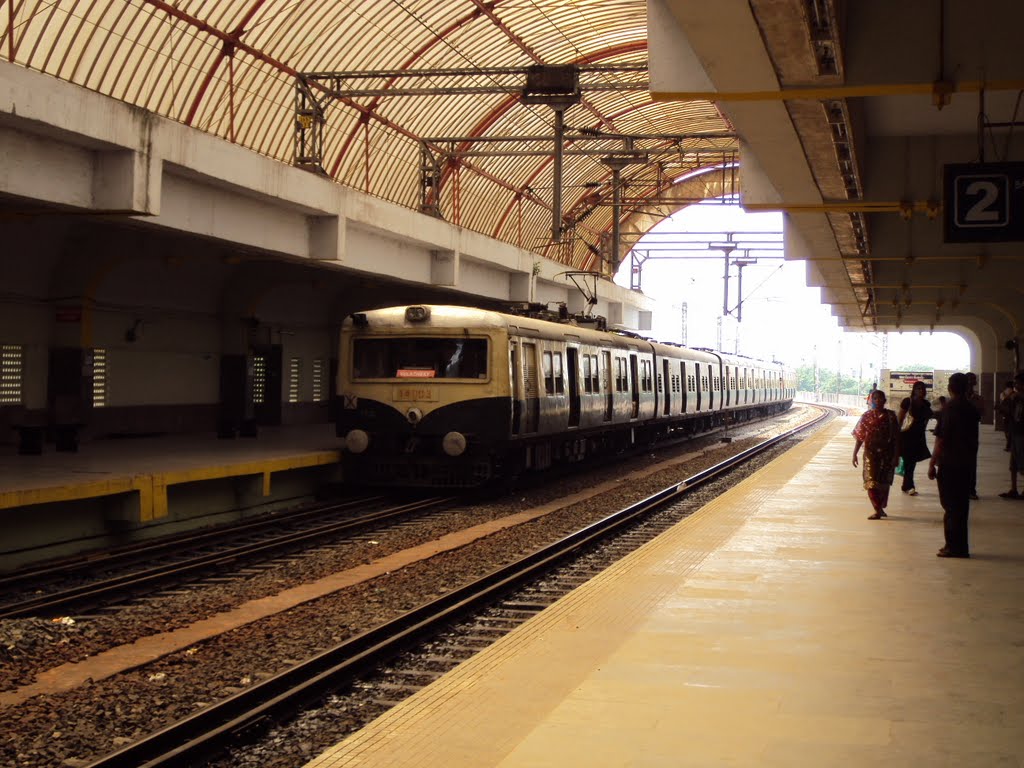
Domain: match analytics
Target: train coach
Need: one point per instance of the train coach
(445, 396)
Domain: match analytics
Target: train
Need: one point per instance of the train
(435, 396)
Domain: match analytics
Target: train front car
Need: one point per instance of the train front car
(424, 397)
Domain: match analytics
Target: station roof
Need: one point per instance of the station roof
(887, 134)
(843, 115)
(419, 103)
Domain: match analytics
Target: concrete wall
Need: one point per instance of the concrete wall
(170, 248)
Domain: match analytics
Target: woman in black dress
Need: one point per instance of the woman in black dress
(913, 447)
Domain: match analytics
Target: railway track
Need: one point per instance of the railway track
(190, 557)
(241, 717)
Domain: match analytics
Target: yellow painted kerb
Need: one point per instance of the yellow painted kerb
(152, 487)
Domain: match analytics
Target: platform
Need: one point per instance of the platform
(148, 466)
(777, 626)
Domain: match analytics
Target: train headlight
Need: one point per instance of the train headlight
(417, 314)
(414, 415)
(454, 444)
(357, 441)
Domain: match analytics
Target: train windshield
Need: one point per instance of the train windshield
(419, 358)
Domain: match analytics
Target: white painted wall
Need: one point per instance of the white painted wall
(175, 359)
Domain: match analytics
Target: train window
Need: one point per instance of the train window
(549, 382)
(419, 358)
(559, 379)
(595, 374)
(585, 363)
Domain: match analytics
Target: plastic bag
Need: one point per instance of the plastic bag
(899, 467)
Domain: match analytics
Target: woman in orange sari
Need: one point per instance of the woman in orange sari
(879, 433)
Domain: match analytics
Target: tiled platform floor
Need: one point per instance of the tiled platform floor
(776, 627)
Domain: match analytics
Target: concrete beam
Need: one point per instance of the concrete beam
(69, 147)
(327, 238)
(444, 268)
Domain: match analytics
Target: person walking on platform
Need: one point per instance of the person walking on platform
(878, 431)
(953, 462)
(915, 412)
(979, 405)
(1014, 410)
(1003, 410)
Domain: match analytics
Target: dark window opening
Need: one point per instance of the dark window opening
(419, 358)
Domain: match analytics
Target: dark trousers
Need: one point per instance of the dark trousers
(908, 475)
(955, 496)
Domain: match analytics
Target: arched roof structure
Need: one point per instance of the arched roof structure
(231, 68)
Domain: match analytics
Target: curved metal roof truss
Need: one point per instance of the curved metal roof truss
(232, 67)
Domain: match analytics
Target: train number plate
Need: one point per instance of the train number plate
(411, 392)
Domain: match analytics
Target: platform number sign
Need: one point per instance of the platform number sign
(984, 202)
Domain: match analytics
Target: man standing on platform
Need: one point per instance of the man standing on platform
(953, 462)
(979, 405)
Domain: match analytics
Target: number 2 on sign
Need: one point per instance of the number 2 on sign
(985, 209)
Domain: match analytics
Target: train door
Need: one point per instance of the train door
(531, 412)
(746, 385)
(696, 380)
(266, 383)
(634, 384)
(711, 386)
(667, 382)
(727, 387)
(517, 386)
(682, 387)
(572, 359)
(606, 366)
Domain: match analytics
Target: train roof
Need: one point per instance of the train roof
(434, 317)
(467, 319)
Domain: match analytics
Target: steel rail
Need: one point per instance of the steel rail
(91, 594)
(146, 550)
(208, 732)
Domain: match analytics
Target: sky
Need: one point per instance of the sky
(782, 318)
